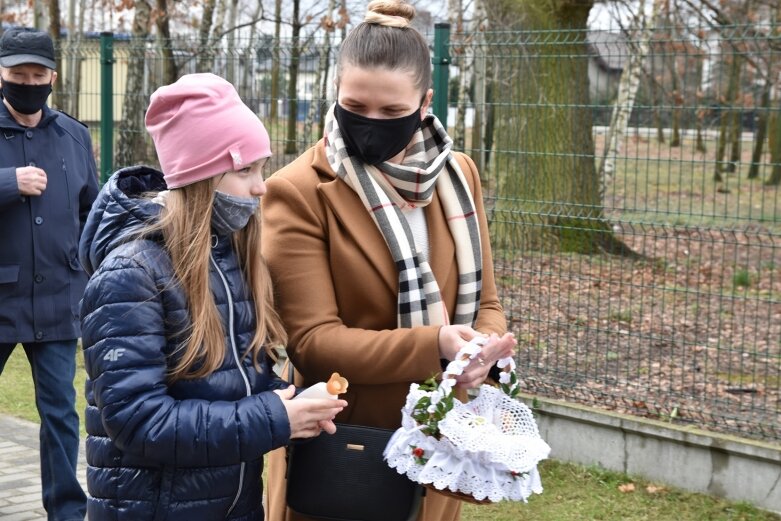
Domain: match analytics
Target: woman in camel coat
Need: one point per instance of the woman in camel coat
(345, 303)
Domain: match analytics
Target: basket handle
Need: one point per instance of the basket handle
(508, 380)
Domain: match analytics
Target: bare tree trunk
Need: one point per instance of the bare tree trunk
(231, 58)
(761, 131)
(657, 116)
(343, 11)
(763, 121)
(205, 51)
(460, 52)
(131, 145)
(292, 86)
(324, 83)
(275, 69)
(54, 32)
(75, 76)
(321, 75)
(700, 114)
(70, 56)
(217, 31)
(170, 73)
(92, 11)
(554, 183)
(677, 100)
(676, 96)
(479, 79)
(325, 66)
(627, 92)
(774, 123)
(775, 148)
(735, 135)
(39, 14)
(726, 118)
(248, 72)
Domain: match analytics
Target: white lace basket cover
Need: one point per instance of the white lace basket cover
(488, 448)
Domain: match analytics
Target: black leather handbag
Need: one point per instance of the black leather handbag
(343, 477)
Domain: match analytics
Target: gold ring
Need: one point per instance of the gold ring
(480, 361)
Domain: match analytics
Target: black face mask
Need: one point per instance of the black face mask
(375, 140)
(26, 99)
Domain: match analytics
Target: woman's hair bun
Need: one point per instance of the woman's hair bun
(390, 13)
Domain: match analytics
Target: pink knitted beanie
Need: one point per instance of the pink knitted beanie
(201, 129)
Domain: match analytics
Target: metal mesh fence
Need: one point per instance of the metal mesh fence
(638, 264)
(652, 288)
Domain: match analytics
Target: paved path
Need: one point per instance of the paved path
(20, 475)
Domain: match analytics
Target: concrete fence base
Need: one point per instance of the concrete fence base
(688, 458)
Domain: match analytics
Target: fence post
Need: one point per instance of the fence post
(441, 61)
(106, 105)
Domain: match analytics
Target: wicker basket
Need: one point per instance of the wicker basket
(481, 452)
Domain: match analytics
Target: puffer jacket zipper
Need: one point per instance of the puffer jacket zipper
(235, 351)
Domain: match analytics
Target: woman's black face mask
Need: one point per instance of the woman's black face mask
(26, 99)
(375, 140)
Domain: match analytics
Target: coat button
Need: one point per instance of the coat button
(38, 278)
(31, 163)
(29, 134)
(38, 335)
(23, 198)
(39, 220)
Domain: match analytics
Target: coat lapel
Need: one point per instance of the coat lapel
(349, 210)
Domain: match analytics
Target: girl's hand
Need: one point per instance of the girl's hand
(308, 417)
(495, 349)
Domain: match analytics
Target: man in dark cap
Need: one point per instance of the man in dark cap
(48, 181)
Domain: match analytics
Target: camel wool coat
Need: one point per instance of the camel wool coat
(336, 290)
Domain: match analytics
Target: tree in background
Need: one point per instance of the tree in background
(639, 40)
(161, 17)
(131, 145)
(552, 184)
(292, 85)
(320, 84)
(462, 53)
(55, 32)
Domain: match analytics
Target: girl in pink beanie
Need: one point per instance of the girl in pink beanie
(178, 321)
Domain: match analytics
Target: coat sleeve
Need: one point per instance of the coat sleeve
(9, 188)
(124, 334)
(88, 192)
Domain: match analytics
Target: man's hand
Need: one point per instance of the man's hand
(31, 180)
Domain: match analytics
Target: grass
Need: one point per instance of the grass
(572, 492)
(659, 184)
(18, 394)
(575, 493)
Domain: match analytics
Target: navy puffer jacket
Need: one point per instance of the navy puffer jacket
(192, 450)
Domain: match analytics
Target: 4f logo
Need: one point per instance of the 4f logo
(114, 354)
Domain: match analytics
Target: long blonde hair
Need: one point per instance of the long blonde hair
(185, 223)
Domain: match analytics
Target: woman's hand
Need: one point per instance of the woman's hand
(494, 349)
(452, 339)
(308, 417)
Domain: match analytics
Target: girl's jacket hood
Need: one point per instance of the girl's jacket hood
(120, 213)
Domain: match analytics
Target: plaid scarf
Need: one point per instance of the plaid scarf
(388, 188)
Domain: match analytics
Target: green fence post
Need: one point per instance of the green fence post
(106, 105)
(441, 61)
